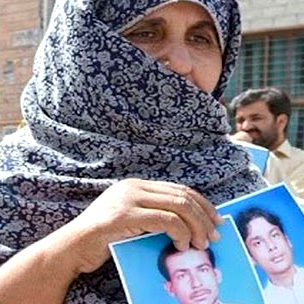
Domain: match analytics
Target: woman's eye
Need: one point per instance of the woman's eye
(199, 39)
(203, 40)
(143, 36)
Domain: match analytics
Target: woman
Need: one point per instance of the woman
(125, 135)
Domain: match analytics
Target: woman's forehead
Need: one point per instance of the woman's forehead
(182, 7)
(182, 12)
(118, 13)
(175, 14)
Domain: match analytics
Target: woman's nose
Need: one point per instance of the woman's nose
(178, 59)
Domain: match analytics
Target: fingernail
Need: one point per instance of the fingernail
(200, 244)
(220, 220)
(181, 246)
(215, 236)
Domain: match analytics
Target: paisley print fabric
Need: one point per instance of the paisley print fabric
(99, 110)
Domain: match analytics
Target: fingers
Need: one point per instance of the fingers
(208, 208)
(242, 135)
(153, 220)
(184, 191)
(183, 206)
(185, 215)
(197, 213)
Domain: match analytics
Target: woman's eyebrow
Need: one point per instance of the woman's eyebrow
(206, 25)
(152, 21)
(145, 23)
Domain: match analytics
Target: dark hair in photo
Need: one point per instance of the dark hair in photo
(277, 101)
(250, 214)
(170, 250)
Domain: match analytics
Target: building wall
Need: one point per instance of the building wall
(261, 15)
(20, 34)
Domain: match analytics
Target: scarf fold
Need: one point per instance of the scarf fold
(99, 110)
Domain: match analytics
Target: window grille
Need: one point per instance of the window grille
(296, 127)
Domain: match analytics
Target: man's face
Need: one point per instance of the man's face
(193, 279)
(269, 247)
(263, 127)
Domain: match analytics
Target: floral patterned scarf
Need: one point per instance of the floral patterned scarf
(99, 110)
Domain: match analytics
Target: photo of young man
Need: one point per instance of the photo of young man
(191, 275)
(271, 249)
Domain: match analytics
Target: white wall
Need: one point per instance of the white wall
(260, 15)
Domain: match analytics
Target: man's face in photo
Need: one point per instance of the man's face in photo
(269, 247)
(193, 278)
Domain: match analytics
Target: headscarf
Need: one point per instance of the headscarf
(99, 110)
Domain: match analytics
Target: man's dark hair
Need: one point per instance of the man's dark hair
(277, 101)
(170, 250)
(250, 214)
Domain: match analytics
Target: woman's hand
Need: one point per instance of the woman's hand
(132, 207)
(129, 208)
(242, 135)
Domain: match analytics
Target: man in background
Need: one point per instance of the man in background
(191, 275)
(262, 117)
(270, 248)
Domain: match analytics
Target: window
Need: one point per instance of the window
(270, 61)
(296, 127)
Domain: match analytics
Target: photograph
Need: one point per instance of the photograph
(260, 155)
(153, 271)
(271, 224)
